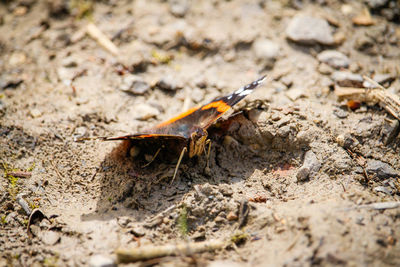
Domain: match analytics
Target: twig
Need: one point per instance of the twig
(20, 174)
(390, 102)
(151, 252)
(101, 38)
(24, 205)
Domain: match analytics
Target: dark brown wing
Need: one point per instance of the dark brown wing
(204, 116)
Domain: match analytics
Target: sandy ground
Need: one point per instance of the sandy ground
(297, 176)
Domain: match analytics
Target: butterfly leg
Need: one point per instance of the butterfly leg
(154, 157)
(184, 150)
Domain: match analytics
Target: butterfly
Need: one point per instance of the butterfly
(185, 133)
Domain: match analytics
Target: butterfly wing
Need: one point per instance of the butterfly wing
(206, 115)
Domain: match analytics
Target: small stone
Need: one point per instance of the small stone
(309, 30)
(380, 169)
(169, 83)
(266, 52)
(325, 69)
(302, 174)
(334, 59)
(35, 113)
(347, 79)
(179, 8)
(101, 261)
(231, 216)
(50, 237)
(134, 85)
(226, 190)
(340, 113)
(311, 161)
(17, 58)
(363, 19)
(145, 112)
(390, 130)
(365, 44)
(80, 132)
(295, 93)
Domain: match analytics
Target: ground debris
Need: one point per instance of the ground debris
(151, 252)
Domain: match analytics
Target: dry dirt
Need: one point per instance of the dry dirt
(290, 181)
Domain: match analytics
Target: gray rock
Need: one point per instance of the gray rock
(169, 83)
(101, 261)
(302, 174)
(134, 85)
(390, 130)
(179, 8)
(380, 169)
(340, 113)
(266, 52)
(334, 59)
(325, 69)
(311, 161)
(145, 112)
(50, 237)
(347, 79)
(309, 30)
(311, 165)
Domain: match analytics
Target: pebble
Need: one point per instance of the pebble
(325, 69)
(309, 30)
(302, 174)
(311, 165)
(50, 237)
(16, 59)
(347, 79)
(381, 169)
(226, 190)
(134, 85)
(266, 52)
(169, 83)
(295, 93)
(366, 44)
(101, 261)
(35, 113)
(179, 8)
(340, 113)
(145, 112)
(231, 216)
(80, 132)
(334, 59)
(390, 130)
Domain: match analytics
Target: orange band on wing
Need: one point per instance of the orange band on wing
(221, 106)
(174, 119)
